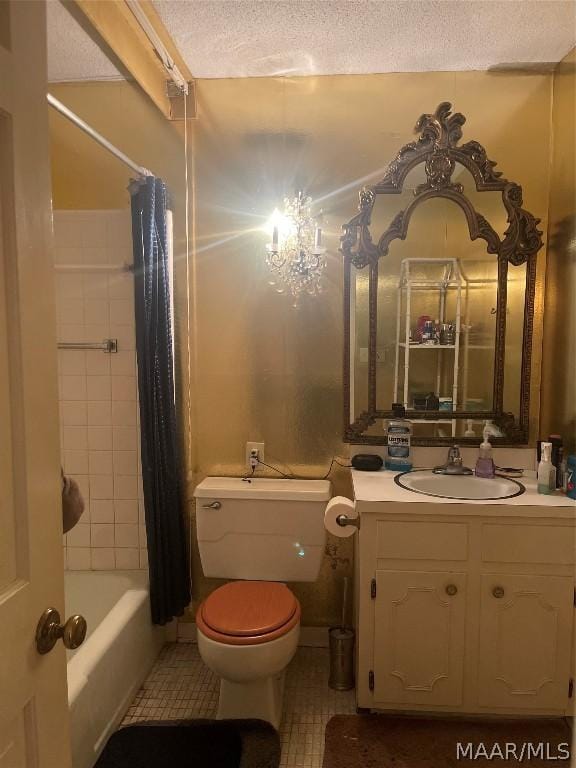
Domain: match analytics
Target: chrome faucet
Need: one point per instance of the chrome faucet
(453, 465)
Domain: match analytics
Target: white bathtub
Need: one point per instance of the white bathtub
(120, 647)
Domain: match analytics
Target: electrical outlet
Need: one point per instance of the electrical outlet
(250, 448)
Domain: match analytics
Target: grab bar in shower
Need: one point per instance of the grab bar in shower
(108, 345)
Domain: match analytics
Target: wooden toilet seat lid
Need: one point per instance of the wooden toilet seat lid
(248, 611)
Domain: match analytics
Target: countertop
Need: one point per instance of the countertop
(379, 487)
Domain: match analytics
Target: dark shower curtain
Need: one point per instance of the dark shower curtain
(166, 528)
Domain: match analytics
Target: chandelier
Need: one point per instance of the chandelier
(296, 256)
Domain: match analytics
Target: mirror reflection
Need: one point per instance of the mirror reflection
(437, 297)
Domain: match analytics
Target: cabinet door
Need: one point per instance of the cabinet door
(525, 641)
(419, 637)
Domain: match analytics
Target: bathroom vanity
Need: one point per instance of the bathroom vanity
(464, 606)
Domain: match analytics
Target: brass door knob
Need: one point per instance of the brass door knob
(451, 590)
(498, 592)
(49, 630)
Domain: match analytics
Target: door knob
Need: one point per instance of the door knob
(49, 630)
(498, 592)
(451, 590)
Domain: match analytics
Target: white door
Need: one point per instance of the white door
(419, 638)
(33, 700)
(525, 641)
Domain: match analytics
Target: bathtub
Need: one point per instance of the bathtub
(111, 664)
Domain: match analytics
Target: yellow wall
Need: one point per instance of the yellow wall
(559, 378)
(263, 370)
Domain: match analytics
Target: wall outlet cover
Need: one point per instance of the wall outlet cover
(254, 447)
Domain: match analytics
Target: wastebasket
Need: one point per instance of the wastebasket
(341, 658)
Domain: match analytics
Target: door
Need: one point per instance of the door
(33, 699)
(419, 638)
(525, 641)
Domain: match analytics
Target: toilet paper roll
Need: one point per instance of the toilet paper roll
(337, 506)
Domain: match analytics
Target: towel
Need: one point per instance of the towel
(72, 503)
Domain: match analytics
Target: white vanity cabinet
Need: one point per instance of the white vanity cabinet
(464, 607)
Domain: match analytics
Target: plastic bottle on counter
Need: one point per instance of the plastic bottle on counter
(399, 434)
(546, 470)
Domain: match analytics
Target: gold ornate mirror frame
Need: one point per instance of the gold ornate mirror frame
(437, 148)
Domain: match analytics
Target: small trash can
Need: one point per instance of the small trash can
(341, 658)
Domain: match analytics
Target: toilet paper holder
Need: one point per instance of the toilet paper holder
(344, 520)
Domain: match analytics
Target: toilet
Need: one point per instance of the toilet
(259, 533)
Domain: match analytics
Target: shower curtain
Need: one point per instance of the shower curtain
(168, 556)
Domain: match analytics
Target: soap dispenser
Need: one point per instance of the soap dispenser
(485, 462)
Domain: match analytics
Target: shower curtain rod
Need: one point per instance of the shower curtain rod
(140, 170)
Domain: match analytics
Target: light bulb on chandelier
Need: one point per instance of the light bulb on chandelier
(296, 256)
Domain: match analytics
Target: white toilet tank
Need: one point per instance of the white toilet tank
(261, 529)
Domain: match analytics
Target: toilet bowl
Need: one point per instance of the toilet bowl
(260, 533)
(247, 634)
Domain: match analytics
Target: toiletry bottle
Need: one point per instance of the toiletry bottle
(398, 433)
(485, 462)
(546, 470)
(557, 456)
(469, 429)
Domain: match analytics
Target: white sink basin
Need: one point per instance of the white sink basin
(466, 487)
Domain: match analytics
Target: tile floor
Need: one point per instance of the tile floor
(180, 686)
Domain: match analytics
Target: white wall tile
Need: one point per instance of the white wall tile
(100, 462)
(126, 511)
(121, 312)
(79, 558)
(73, 387)
(74, 413)
(143, 558)
(124, 413)
(125, 463)
(99, 413)
(98, 387)
(125, 438)
(100, 438)
(97, 363)
(123, 363)
(95, 285)
(126, 535)
(70, 333)
(127, 559)
(102, 511)
(103, 559)
(79, 536)
(125, 334)
(96, 312)
(120, 285)
(124, 388)
(75, 438)
(97, 416)
(101, 487)
(76, 462)
(70, 311)
(142, 535)
(69, 286)
(102, 535)
(125, 487)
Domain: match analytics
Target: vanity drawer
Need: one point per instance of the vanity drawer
(421, 541)
(553, 545)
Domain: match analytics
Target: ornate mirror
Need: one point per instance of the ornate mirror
(440, 270)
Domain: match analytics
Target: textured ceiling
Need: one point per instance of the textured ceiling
(256, 38)
(72, 55)
(247, 38)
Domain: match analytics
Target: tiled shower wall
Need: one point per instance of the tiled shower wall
(99, 422)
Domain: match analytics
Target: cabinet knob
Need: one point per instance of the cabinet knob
(451, 590)
(498, 592)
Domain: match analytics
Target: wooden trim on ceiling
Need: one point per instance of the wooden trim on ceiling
(118, 27)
